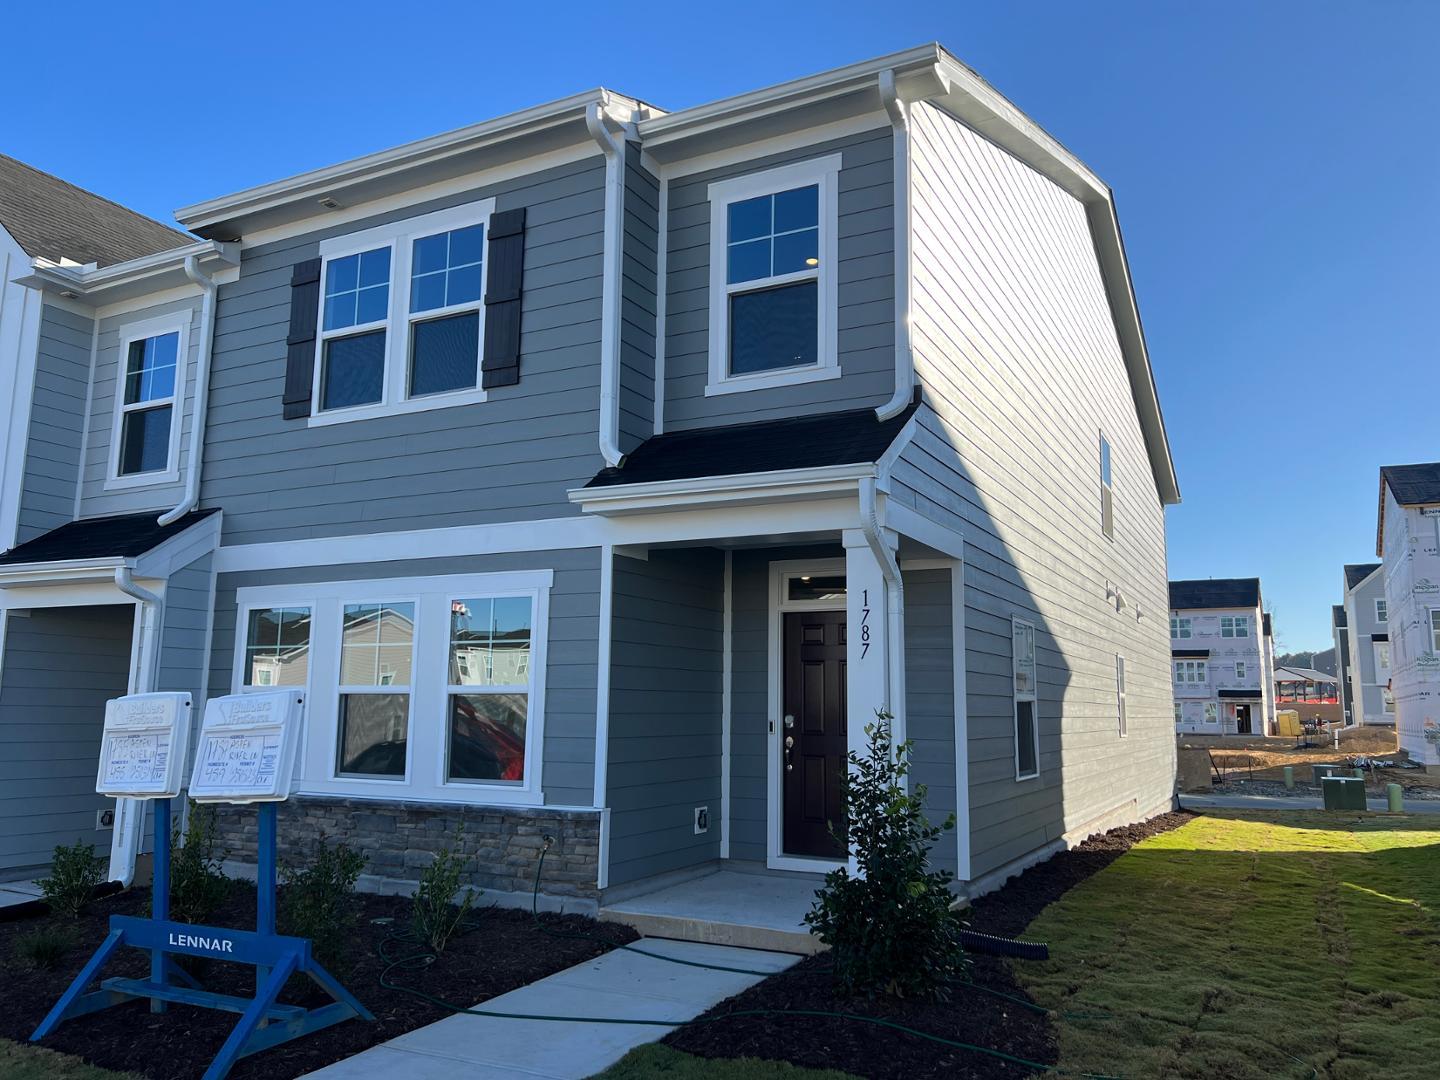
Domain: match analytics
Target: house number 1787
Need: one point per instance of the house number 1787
(864, 623)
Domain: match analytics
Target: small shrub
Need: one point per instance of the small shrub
(197, 885)
(318, 901)
(890, 928)
(45, 946)
(73, 877)
(436, 918)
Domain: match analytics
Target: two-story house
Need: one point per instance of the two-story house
(600, 472)
(1408, 540)
(1221, 657)
(1367, 634)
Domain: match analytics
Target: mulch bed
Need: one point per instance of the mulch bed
(506, 950)
(971, 1016)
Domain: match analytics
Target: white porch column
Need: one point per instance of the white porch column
(874, 666)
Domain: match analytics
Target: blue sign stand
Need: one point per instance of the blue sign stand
(264, 1022)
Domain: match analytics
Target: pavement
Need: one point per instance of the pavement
(17, 892)
(1296, 802)
(619, 985)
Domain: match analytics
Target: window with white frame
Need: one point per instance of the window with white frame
(1179, 628)
(1240, 669)
(146, 434)
(1212, 712)
(1190, 672)
(1234, 626)
(430, 685)
(773, 276)
(1120, 692)
(401, 318)
(1382, 610)
(1107, 491)
(1382, 656)
(1027, 727)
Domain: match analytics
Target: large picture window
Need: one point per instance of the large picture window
(424, 688)
(772, 275)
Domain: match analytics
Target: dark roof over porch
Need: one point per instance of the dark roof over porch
(124, 537)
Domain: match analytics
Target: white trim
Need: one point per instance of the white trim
(177, 323)
(611, 295)
(90, 290)
(602, 679)
(824, 173)
(427, 733)
(1031, 695)
(19, 344)
(602, 867)
(727, 686)
(926, 530)
(88, 415)
(780, 485)
(399, 321)
(962, 721)
(1378, 601)
(1122, 717)
(779, 572)
(808, 138)
(662, 298)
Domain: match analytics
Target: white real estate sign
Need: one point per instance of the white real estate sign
(248, 745)
(142, 747)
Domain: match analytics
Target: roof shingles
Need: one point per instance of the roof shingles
(1215, 593)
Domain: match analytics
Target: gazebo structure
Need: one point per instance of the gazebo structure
(1306, 684)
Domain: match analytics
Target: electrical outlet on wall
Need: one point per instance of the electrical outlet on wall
(702, 819)
(105, 819)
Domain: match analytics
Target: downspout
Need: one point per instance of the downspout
(894, 606)
(904, 358)
(130, 813)
(208, 289)
(614, 152)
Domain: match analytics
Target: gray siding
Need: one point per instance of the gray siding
(569, 752)
(183, 663)
(866, 292)
(637, 303)
(509, 458)
(930, 698)
(109, 365)
(52, 452)
(60, 667)
(665, 728)
(1018, 358)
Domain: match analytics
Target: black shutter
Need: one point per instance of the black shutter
(506, 255)
(300, 357)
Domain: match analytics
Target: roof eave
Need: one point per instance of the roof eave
(741, 489)
(122, 281)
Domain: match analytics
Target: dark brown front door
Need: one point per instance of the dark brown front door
(812, 737)
(1242, 719)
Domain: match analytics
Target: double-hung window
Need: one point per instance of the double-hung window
(1107, 491)
(277, 648)
(1120, 693)
(1240, 670)
(773, 277)
(489, 688)
(1234, 626)
(1027, 726)
(1382, 610)
(1190, 673)
(146, 430)
(1179, 627)
(377, 650)
(401, 317)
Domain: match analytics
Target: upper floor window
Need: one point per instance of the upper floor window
(1240, 669)
(146, 436)
(1190, 672)
(401, 318)
(1234, 626)
(1107, 491)
(773, 277)
(1382, 611)
(1179, 627)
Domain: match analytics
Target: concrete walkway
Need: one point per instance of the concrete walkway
(1296, 802)
(620, 984)
(17, 892)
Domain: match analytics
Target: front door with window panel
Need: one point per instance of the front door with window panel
(1242, 719)
(813, 738)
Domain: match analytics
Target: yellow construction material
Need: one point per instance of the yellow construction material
(1287, 722)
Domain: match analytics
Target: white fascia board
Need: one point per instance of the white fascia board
(740, 489)
(390, 164)
(180, 550)
(137, 277)
(62, 572)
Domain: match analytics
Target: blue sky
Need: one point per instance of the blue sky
(1274, 164)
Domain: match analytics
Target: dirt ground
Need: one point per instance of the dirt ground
(1260, 758)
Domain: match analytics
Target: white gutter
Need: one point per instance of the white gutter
(610, 285)
(904, 358)
(894, 608)
(208, 290)
(130, 813)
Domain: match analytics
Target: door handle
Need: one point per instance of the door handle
(789, 744)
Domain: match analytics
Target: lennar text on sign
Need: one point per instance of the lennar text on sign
(194, 941)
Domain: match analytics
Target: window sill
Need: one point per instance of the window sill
(739, 384)
(401, 408)
(142, 480)
(398, 791)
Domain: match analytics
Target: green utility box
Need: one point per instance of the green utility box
(1343, 792)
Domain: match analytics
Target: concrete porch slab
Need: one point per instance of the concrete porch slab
(728, 907)
(18, 892)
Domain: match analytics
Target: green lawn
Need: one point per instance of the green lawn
(650, 1062)
(19, 1061)
(1253, 945)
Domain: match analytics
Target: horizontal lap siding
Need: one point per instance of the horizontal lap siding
(637, 303)
(930, 698)
(95, 501)
(1017, 352)
(184, 629)
(52, 450)
(665, 683)
(509, 458)
(865, 292)
(60, 667)
(569, 751)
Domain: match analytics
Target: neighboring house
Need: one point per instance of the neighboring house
(1222, 657)
(1408, 541)
(601, 472)
(1340, 632)
(59, 666)
(1367, 626)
